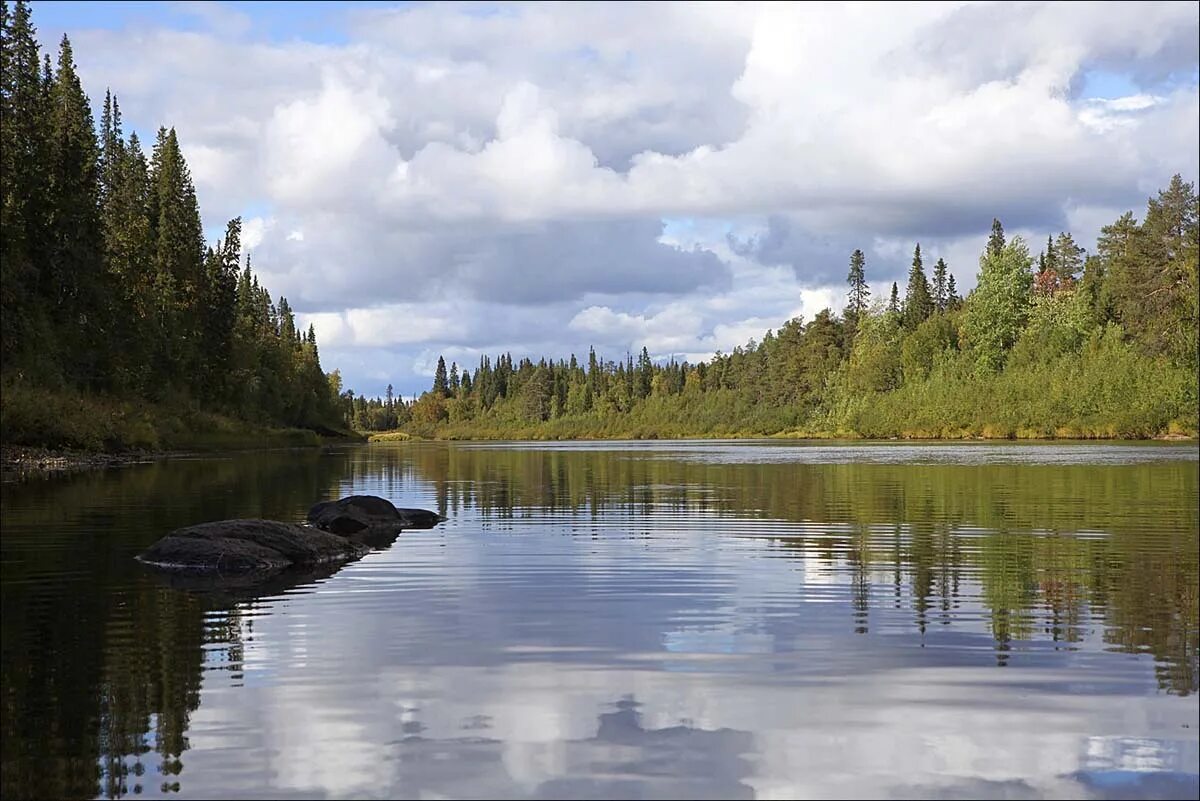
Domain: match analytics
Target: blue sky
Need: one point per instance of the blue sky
(424, 179)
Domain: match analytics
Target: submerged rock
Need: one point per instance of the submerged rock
(253, 550)
(249, 546)
(357, 513)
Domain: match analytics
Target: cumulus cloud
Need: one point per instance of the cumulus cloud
(539, 163)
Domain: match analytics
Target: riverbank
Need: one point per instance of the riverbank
(536, 435)
(23, 459)
(48, 431)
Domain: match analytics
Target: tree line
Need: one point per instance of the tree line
(1067, 343)
(108, 286)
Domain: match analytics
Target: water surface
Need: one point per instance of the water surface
(633, 620)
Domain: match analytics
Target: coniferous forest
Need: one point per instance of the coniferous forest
(123, 329)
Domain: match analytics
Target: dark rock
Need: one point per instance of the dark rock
(357, 513)
(249, 546)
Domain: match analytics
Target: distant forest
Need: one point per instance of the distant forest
(122, 329)
(1062, 344)
(108, 293)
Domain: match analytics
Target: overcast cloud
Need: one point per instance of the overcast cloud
(538, 178)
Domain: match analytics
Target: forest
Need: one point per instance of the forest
(121, 328)
(1062, 344)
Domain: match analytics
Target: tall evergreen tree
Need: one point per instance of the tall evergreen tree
(894, 300)
(859, 294)
(178, 258)
(80, 301)
(941, 289)
(918, 304)
(645, 374)
(441, 385)
(219, 308)
(1068, 259)
(996, 241)
(25, 280)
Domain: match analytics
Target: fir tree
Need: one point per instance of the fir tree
(894, 301)
(918, 304)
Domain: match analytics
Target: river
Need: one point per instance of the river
(621, 620)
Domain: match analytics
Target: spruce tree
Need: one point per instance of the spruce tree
(441, 385)
(80, 297)
(178, 259)
(918, 304)
(645, 374)
(25, 279)
(996, 241)
(859, 293)
(894, 300)
(219, 308)
(941, 296)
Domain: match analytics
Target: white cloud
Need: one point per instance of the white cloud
(522, 163)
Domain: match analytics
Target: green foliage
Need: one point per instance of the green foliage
(1012, 360)
(996, 311)
(860, 294)
(918, 302)
(108, 291)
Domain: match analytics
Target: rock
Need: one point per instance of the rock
(247, 546)
(356, 513)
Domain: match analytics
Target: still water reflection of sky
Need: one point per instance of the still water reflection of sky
(711, 640)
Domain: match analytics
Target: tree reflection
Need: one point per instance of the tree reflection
(1052, 546)
(103, 663)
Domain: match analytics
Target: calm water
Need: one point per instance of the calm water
(724, 620)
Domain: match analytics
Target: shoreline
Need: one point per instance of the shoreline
(24, 460)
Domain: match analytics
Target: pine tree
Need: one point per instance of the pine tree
(918, 304)
(454, 382)
(941, 291)
(952, 298)
(1068, 259)
(859, 293)
(894, 300)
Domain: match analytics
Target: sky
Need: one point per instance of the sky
(466, 179)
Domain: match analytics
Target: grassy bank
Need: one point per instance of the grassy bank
(60, 420)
